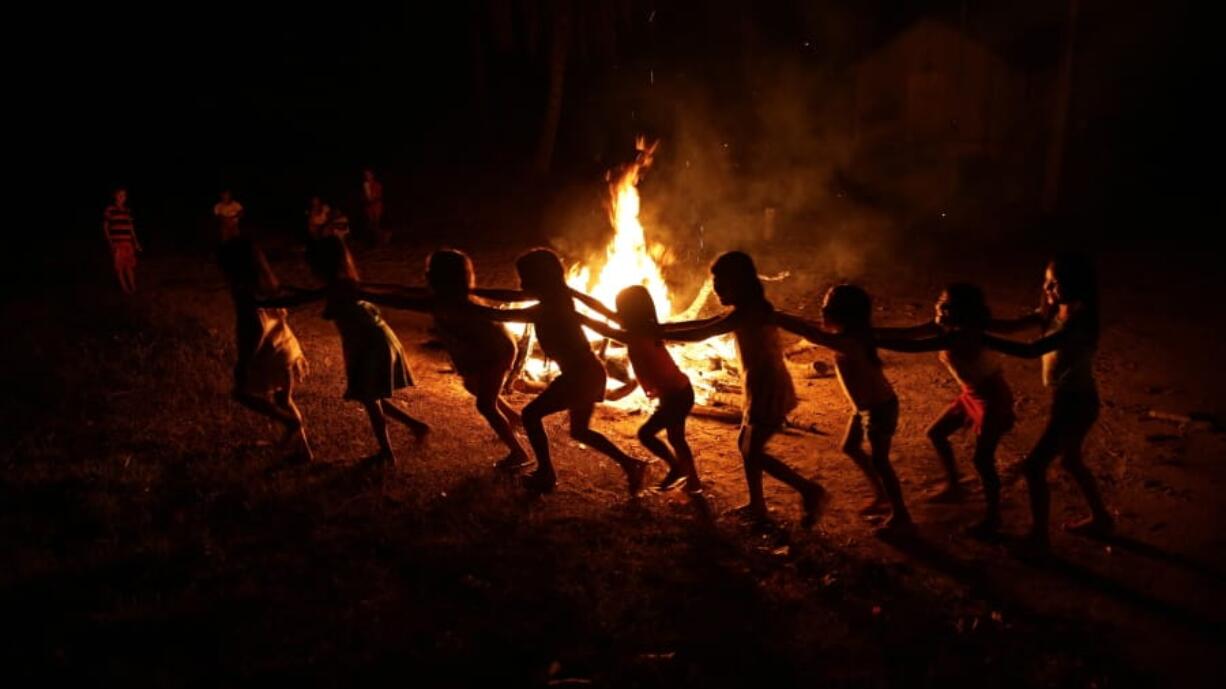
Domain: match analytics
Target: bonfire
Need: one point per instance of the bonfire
(629, 259)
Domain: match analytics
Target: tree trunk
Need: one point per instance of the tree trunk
(558, 52)
(1063, 97)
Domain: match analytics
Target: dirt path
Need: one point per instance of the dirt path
(154, 539)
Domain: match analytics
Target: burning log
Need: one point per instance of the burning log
(706, 411)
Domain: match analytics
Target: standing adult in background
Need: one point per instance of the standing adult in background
(372, 195)
(120, 232)
(228, 212)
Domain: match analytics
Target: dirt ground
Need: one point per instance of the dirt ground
(152, 536)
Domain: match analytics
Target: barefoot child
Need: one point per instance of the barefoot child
(847, 312)
(768, 392)
(1070, 337)
(582, 381)
(985, 404)
(661, 379)
(270, 360)
(481, 350)
(375, 364)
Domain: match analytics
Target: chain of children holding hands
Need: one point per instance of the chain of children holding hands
(270, 362)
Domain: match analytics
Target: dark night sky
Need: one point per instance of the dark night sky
(178, 100)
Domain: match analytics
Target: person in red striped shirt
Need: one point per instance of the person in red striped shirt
(120, 234)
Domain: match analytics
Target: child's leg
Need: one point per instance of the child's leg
(1034, 467)
(507, 410)
(580, 430)
(378, 423)
(647, 436)
(551, 400)
(985, 464)
(938, 433)
(853, 439)
(265, 407)
(1071, 458)
(488, 406)
(752, 442)
(880, 439)
(418, 427)
(685, 456)
(285, 398)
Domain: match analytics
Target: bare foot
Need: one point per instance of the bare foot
(751, 513)
(1093, 527)
(513, 461)
(674, 479)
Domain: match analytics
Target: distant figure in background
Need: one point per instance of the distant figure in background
(317, 215)
(228, 212)
(120, 234)
(372, 196)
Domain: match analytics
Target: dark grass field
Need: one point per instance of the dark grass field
(152, 537)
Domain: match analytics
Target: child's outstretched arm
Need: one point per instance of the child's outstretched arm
(697, 331)
(808, 330)
(690, 325)
(1010, 326)
(596, 305)
(394, 287)
(412, 298)
(604, 329)
(530, 314)
(499, 294)
(929, 329)
(912, 346)
(291, 296)
(1027, 350)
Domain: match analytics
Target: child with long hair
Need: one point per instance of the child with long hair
(985, 403)
(848, 332)
(660, 379)
(481, 350)
(768, 393)
(581, 384)
(375, 364)
(270, 360)
(1070, 323)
